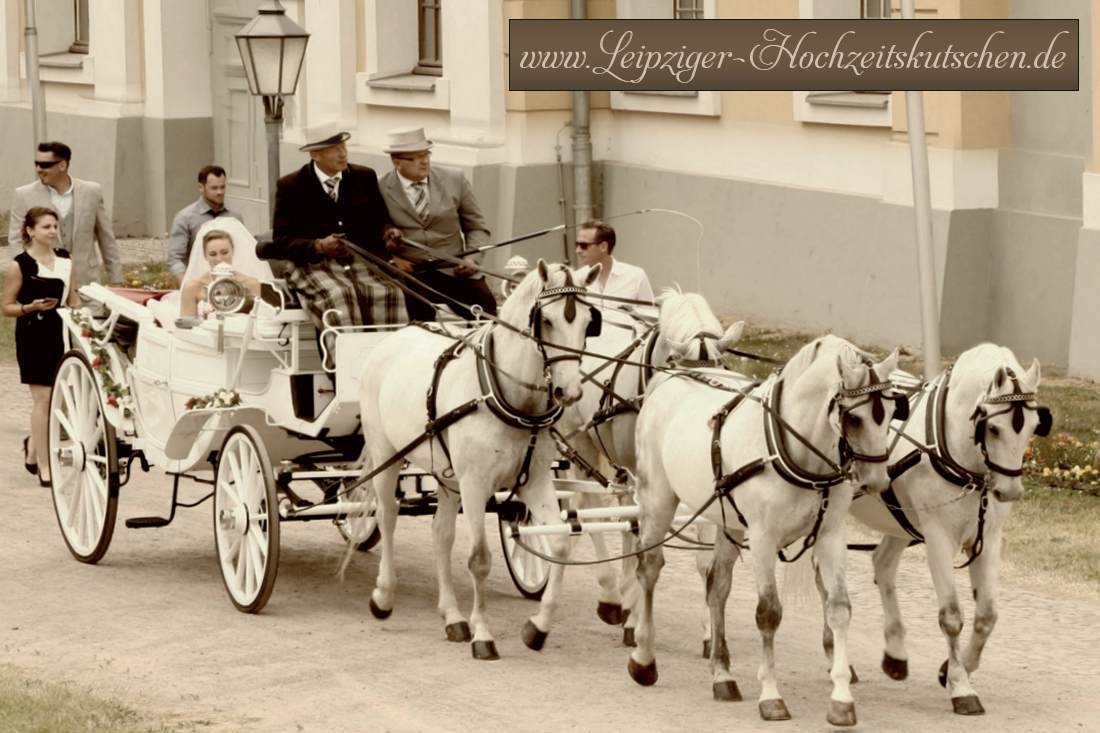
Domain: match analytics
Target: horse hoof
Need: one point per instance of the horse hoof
(841, 713)
(943, 674)
(706, 648)
(727, 691)
(458, 631)
(628, 637)
(895, 669)
(855, 677)
(774, 710)
(533, 637)
(610, 613)
(644, 674)
(967, 705)
(485, 650)
(379, 612)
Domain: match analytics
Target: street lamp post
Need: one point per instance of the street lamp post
(272, 48)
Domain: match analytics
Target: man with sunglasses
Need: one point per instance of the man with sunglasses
(81, 214)
(595, 243)
(436, 208)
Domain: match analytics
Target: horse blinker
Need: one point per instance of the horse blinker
(1046, 422)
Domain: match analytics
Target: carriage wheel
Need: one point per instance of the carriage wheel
(529, 572)
(83, 460)
(246, 519)
(364, 525)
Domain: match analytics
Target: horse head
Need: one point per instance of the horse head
(691, 331)
(860, 414)
(1002, 420)
(550, 306)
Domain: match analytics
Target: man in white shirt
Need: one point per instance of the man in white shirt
(595, 243)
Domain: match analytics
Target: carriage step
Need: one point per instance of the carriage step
(147, 522)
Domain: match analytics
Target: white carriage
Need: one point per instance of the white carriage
(240, 402)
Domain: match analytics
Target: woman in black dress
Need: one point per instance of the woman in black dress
(37, 282)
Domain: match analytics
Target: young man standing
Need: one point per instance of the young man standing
(595, 243)
(81, 214)
(211, 204)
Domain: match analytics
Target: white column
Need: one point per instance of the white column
(177, 59)
(330, 65)
(115, 41)
(473, 61)
(10, 88)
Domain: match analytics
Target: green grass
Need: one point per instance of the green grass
(28, 705)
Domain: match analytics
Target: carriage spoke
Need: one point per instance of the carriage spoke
(61, 488)
(97, 491)
(62, 417)
(97, 459)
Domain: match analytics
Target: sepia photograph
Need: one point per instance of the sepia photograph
(549, 365)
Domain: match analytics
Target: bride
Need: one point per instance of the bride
(221, 241)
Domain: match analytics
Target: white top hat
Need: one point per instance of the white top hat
(325, 136)
(407, 140)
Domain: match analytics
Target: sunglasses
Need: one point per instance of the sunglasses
(45, 163)
(585, 245)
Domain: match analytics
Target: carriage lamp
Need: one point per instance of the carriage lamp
(225, 294)
(272, 48)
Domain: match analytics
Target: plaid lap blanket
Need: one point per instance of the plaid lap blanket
(360, 296)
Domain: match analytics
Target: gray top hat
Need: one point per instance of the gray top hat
(407, 140)
(319, 138)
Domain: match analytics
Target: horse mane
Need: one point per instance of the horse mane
(981, 362)
(683, 315)
(828, 346)
(517, 306)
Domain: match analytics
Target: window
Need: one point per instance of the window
(80, 34)
(687, 9)
(430, 60)
(875, 9)
(868, 108)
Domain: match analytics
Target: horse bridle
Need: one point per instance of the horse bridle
(702, 361)
(875, 394)
(1017, 401)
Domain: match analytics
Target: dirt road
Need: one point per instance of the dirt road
(152, 625)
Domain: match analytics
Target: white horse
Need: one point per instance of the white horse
(971, 425)
(513, 386)
(774, 481)
(687, 332)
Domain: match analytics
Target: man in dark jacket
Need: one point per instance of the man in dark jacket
(319, 206)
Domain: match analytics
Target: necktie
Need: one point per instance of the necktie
(330, 188)
(421, 202)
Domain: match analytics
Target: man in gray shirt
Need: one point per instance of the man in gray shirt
(211, 204)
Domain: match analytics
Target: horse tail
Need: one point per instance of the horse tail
(358, 531)
(799, 586)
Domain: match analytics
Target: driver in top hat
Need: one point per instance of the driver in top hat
(436, 208)
(317, 208)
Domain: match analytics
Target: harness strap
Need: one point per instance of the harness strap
(979, 538)
(573, 456)
(893, 505)
(784, 466)
(438, 425)
(494, 398)
(432, 428)
(811, 539)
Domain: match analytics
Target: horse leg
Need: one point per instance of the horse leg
(479, 563)
(654, 521)
(443, 540)
(704, 565)
(941, 556)
(387, 505)
(719, 578)
(629, 589)
(609, 607)
(826, 630)
(887, 557)
(984, 572)
(830, 555)
(769, 613)
(541, 500)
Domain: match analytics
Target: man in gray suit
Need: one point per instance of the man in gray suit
(81, 213)
(435, 208)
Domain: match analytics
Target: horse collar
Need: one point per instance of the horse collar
(777, 447)
(489, 381)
